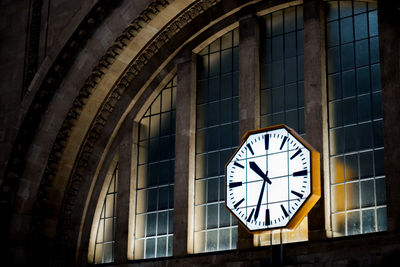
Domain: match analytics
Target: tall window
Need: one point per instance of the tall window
(282, 87)
(155, 177)
(358, 200)
(105, 236)
(282, 69)
(216, 140)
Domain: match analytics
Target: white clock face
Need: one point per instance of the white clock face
(268, 179)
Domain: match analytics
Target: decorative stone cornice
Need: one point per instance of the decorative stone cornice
(119, 88)
(44, 95)
(80, 101)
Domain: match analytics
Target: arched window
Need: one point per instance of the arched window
(216, 140)
(105, 233)
(358, 198)
(155, 177)
(282, 88)
(282, 69)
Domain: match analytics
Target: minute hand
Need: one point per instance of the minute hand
(257, 170)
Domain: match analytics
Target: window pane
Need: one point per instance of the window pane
(367, 194)
(353, 223)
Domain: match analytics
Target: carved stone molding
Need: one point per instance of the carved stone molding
(138, 63)
(80, 101)
(44, 95)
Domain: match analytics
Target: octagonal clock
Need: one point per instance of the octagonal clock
(272, 180)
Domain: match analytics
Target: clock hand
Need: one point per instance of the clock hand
(259, 201)
(257, 170)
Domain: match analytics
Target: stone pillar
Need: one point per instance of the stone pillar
(249, 91)
(315, 111)
(184, 156)
(123, 189)
(389, 48)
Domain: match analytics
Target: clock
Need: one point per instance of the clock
(272, 180)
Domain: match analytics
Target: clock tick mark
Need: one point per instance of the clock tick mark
(300, 173)
(283, 142)
(250, 148)
(284, 211)
(237, 164)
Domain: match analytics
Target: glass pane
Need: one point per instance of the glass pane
(380, 191)
(347, 56)
(332, 33)
(346, 30)
(351, 167)
(224, 216)
(155, 107)
(366, 164)
(337, 170)
(368, 221)
(379, 163)
(367, 194)
(150, 248)
(226, 40)
(277, 23)
(332, 10)
(373, 23)
(212, 216)
(381, 214)
(212, 190)
(349, 83)
(200, 219)
(374, 49)
(333, 59)
(139, 249)
(290, 70)
(345, 8)
(98, 256)
(151, 224)
(108, 252)
(161, 247)
(338, 224)
(334, 88)
(224, 239)
(109, 206)
(100, 232)
(364, 108)
(360, 26)
(353, 223)
(338, 196)
(363, 82)
(166, 100)
(352, 196)
(226, 61)
(359, 7)
(214, 64)
(212, 240)
(362, 53)
(335, 113)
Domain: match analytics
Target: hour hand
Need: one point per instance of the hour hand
(257, 170)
